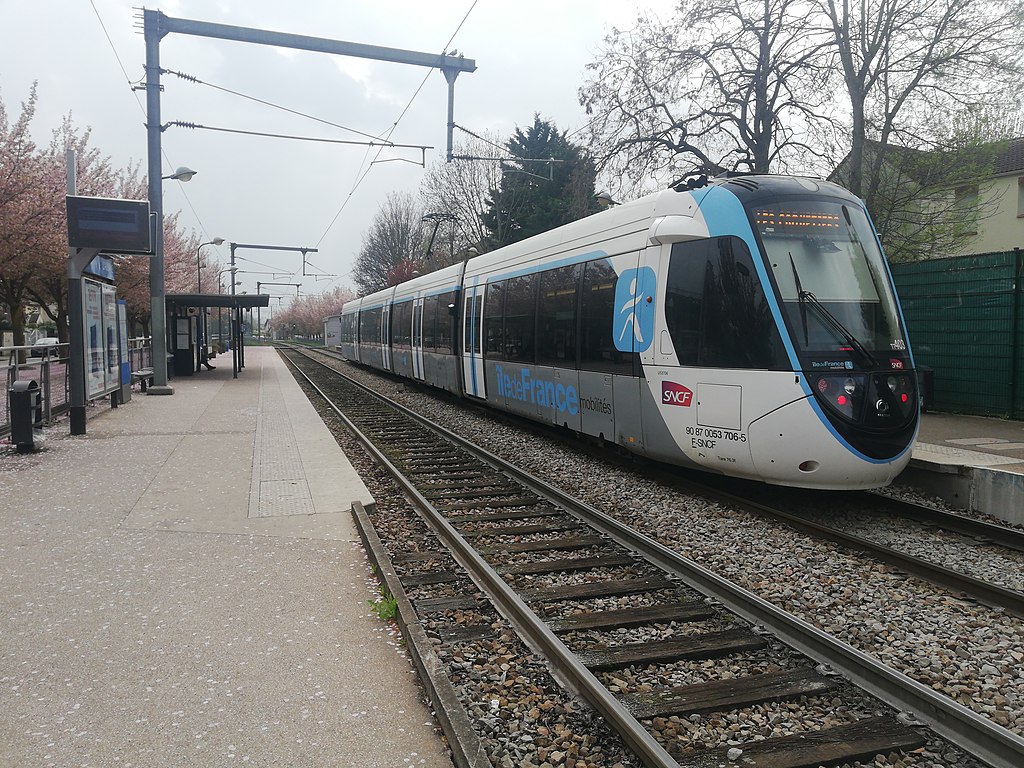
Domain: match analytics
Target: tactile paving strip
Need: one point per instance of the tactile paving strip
(279, 485)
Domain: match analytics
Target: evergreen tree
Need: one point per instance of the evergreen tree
(547, 182)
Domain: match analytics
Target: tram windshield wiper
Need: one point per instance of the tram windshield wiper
(830, 321)
(800, 294)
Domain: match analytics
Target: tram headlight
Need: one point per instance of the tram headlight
(842, 394)
(896, 394)
(905, 393)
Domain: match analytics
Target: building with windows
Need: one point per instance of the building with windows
(1002, 229)
(948, 203)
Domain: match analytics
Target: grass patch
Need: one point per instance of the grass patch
(385, 606)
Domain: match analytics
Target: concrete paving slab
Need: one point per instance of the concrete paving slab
(149, 620)
(953, 456)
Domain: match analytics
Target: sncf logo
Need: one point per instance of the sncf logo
(675, 394)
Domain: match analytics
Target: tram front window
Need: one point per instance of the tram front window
(831, 279)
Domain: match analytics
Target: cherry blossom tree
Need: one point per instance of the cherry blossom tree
(306, 314)
(95, 176)
(22, 211)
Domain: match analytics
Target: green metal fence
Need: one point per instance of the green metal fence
(964, 319)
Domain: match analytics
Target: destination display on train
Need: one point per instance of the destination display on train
(794, 221)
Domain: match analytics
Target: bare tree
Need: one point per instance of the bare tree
(734, 85)
(909, 65)
(460, 189)
(922, 79)
(394, 238)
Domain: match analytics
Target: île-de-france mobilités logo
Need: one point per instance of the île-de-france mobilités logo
(633, 329)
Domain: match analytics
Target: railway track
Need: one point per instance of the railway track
(794, 510)
(553, 565)
(797, 510)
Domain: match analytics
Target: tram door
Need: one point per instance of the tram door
(385, 336)
(417, 339)
(472, 357)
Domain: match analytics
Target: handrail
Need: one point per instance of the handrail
(51, 372)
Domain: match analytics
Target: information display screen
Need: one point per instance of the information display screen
(114, 225)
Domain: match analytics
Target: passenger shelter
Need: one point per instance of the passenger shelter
(193, 328)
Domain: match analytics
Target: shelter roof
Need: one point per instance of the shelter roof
(239, 300)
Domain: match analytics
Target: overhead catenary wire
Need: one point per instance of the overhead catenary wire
(196, 80)
(133, 85)
(198, 126)
(391, 130)
(365, 168)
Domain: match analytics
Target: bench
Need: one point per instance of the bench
(144, 376)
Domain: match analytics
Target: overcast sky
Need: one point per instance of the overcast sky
(530, 57)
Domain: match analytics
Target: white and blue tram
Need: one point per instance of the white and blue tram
(748, 327)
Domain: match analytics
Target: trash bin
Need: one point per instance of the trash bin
(926, 386)
(26, 408)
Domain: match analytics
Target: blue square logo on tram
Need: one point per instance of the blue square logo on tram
(633, 328)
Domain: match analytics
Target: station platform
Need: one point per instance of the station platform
(971, 462)
(183, 586)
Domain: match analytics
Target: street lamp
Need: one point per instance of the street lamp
(199, 263)
(157, 299)
(184, 173)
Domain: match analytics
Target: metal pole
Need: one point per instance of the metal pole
(158, 310)
(241, 339)
(450, 74)
(234, 341)
(319, 44)
(1016, 339)
(200, 332)
(76, 321)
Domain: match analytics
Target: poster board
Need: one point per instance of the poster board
(122, 325)
(102, 351)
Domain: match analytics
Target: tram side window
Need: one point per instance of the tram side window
(369, 325)
(430, 323)
(597, 314)
(345, 335)
(520, 318)
(556, 317)
(401, 325)
(446, 321)
(493, 318)
(474, 307)
(716, 310)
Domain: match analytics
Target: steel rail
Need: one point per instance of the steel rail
(979, 736)
(991, 743)
(989, 594)
(983, 591)
(567, 666)
(966, 526)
